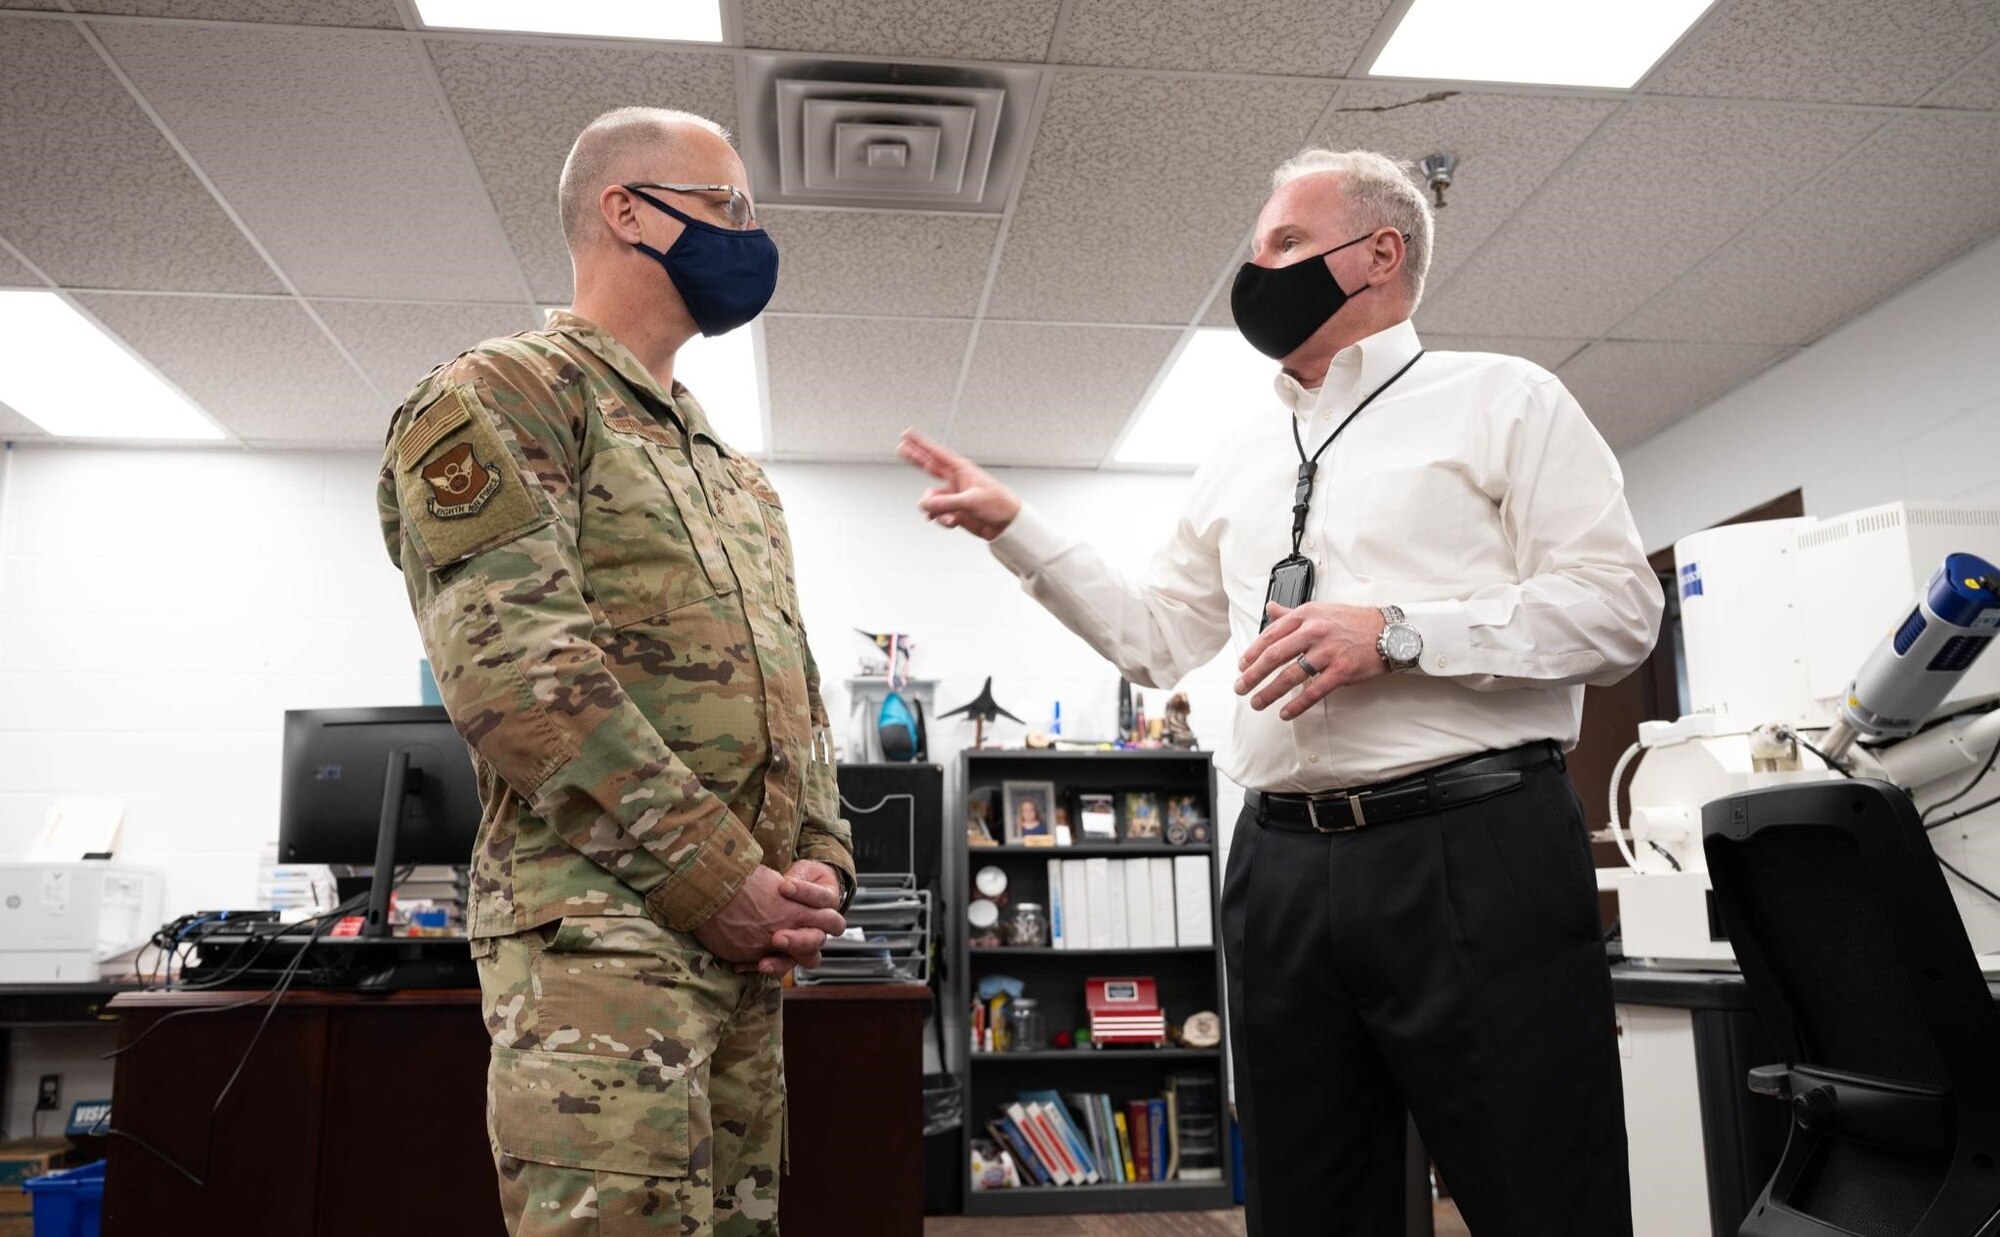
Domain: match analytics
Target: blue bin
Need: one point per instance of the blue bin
(69, 1202)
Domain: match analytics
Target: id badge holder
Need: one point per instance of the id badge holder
(1291, 585)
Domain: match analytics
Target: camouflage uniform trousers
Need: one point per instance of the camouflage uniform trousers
(636, 1083)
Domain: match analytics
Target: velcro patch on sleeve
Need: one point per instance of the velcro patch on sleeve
(441, 417)
(459, 486)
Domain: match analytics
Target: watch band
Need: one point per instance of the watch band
(1393, 617)
(847, 885)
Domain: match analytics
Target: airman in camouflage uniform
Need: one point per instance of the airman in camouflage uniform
(606, 593)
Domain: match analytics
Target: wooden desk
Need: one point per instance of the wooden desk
(364, 1116)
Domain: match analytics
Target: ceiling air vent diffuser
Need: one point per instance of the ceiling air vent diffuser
(885, 137)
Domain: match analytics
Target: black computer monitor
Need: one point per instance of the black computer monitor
(385, 786)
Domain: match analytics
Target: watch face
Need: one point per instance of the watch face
(1402, 643)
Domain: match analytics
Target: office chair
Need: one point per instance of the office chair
(1858, 962)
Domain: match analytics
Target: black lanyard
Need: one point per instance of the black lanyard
(1309, 468)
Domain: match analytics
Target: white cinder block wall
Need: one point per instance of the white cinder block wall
(1901, 403)
(160, 610)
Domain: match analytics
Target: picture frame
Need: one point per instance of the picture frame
(1098, 814)
(982, 807)
(1141, 819)
(1029, 813)
(1185, 820)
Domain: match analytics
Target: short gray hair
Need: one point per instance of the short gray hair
(1379, 192)
(603, 149)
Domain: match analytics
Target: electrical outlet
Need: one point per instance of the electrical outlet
(49, 1097)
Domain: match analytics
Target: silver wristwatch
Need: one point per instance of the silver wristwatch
(1400, 645)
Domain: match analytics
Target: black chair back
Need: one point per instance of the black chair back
(1857, 959)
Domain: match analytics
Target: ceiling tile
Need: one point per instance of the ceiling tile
(377, 13)
(1660, 186)
(1547, 353)
(959, 29)
(844, 388)
(1843, 243)
(334, 149)
(161, 230)
(260, 367)
(14, 275)
(1245, 36)
(1124, 218)
(396, 345)
(1056, 395)
(522, 105)
(1977, 85)
(1507, 146)
(15, 426)
(1834, 51)
(880, 262)
(1632, 391)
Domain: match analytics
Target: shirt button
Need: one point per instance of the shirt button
(1312, 758)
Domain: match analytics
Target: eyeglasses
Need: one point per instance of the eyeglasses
(742, 215)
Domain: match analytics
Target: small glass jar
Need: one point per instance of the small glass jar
(1028, 926)
(1027, 1029)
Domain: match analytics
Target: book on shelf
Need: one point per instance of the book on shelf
(1104, 903)
(1076, 900)
(1087, 1138)
(1058, 923)
(1125, 1146)
(1191, 900)
(1139, 903)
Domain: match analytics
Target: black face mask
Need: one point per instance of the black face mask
(1278, 308)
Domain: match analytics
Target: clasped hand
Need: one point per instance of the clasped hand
(777, 922)
(1339, 641)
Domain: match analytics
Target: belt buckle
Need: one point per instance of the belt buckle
(1353, 807)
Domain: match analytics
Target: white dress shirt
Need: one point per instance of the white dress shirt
(1473, 493)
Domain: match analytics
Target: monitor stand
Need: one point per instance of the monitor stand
(399, 782)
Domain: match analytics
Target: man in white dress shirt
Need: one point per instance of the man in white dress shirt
(1423, 558)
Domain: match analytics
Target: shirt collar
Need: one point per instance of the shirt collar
(678, 402)
(1366, 363)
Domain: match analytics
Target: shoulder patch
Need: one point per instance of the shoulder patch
(438, 418)
(460, 487)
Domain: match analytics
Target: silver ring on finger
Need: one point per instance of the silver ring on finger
(1307, 666)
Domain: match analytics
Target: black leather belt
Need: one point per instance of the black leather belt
(1447, 786)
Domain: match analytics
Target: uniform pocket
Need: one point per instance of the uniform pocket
(644, 535)
(603, 1113)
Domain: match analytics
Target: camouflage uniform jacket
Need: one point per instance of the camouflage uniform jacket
(606, 594)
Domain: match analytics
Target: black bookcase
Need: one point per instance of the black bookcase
(1189, 978)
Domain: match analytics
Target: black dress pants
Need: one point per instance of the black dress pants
(1450, 965)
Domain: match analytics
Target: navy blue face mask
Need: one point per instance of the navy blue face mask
(725, 277)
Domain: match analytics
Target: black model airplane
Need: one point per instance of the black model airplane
(981, 709)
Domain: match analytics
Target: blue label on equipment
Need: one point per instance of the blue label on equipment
(1690, 581)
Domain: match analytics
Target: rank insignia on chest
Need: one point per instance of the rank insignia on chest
(460, 483)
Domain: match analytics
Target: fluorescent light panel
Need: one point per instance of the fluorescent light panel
(687, 21)
(1216, 378)
(1546, 42)
(60, 371)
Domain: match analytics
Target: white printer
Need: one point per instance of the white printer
(61, 916)
(60, 920)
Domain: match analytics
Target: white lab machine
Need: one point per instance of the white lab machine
(1802, 634)
(61, 920)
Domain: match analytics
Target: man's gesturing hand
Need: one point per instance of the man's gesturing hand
(1338, 640)
(967, 497)
(773, 912)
